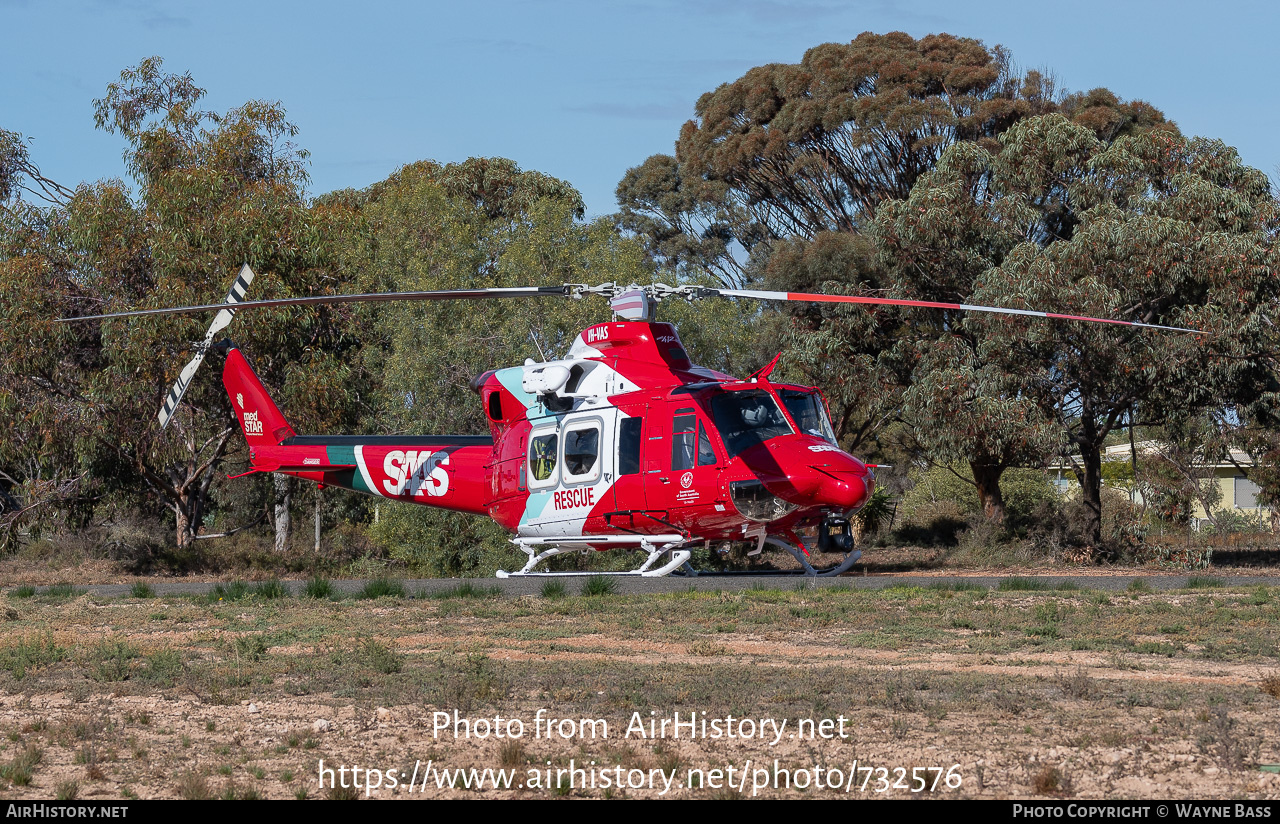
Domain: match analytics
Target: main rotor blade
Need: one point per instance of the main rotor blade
(376, 297)
(811, 297)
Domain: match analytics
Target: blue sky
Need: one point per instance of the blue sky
(579, 90)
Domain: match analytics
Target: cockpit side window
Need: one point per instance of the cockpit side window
(746, 418)
(706, 454)
(809, 413)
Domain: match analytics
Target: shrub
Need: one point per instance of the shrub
(318, 587)
(599, 585)
(382, 588)
(270, 590)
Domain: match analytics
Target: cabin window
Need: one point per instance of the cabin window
(542, 456)
(581, 452)
(629, 446)
(495, 405)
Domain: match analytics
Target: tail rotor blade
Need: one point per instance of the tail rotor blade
(220, 322)
(179, 389)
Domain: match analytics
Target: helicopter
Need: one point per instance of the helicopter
(624, 443)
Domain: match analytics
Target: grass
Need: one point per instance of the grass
(956, 586)
(382, 588)
(63, 592)
(24, 591)
(141, 589)
(466, 589)
(382, 658)
(1204, 582)
(911, 651)
(234, 591)
(600, 585)
(1139, 585)
(21, 768)
(31, 654)
(1023, 585)
(112, 660)
(270, 590)
(318, 587)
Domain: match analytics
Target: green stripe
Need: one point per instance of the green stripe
(340, 455)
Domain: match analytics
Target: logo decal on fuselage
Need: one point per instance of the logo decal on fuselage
(416, 473)
(252, 426)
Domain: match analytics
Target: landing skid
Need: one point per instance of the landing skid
(655, 545)
(806, 569)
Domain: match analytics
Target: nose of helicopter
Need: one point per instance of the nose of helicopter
(812, 473)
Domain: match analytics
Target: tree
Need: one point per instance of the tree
(1153, 227)
(214, 191)
(809, 178)
(792, 150)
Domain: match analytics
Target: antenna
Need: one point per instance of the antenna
(541, 354)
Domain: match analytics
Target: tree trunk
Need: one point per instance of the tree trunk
(284, 498)
(1090, 444)
(190, 515)
(987, 478)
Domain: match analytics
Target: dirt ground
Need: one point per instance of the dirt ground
(938, 692)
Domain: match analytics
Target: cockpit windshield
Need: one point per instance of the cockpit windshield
(809, 413)
(747, 418)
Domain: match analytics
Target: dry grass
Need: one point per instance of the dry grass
(990, 680)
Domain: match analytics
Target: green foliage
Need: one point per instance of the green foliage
(441, 544)
(382, 588)
(249, 647)
(1023, 585)
(213, 191)
(30, 654)
(318, 587)
(382, 658)
(141, 589)
(1236, 522)
(270, 589)
(938, 491)
(876, 512)
(112, 660)
(599, 585)
(62, 592)
(553, 589)
(234, 591)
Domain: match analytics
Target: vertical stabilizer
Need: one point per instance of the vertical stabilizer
(260, 420)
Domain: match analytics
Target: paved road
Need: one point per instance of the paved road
(630, 585)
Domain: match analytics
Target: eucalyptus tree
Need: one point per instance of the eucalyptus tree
(213, 191)
(1153, 227)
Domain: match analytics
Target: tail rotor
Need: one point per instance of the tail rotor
(220, 322)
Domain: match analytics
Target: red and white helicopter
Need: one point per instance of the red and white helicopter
(622, 443)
